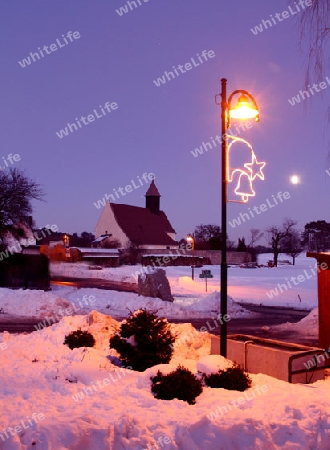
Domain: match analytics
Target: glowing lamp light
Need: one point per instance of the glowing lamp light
(244, 110)
(294, 179)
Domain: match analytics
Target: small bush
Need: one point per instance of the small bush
(233, 378)
(181, 384)
(78, 339)
(143, 341)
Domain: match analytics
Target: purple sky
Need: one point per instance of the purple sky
(154, 128)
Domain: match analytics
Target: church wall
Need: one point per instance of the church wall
(107, 224)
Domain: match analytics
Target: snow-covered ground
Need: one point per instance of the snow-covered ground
(52, 397)
(57, 399)
(267, 286)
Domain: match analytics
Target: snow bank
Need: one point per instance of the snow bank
(52, 397)
(308, 326)
(31, 303)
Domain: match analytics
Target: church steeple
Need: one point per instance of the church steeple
(153, 198)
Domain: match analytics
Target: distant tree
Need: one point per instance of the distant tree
(16, 194)
(205, 232)
(255, 235)
(276, 236)
(241, 246)
(215, 243)
(84, 240)
(292, 244)
(130, 254)
(316, 236)
(231, 245)
(208, 237)
(114, 243)
(87, 238)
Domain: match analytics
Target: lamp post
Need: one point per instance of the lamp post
(191, 239)
(243, 110)
(66, 245)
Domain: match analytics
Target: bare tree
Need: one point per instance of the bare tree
(207, 237)
(292, 244)
(16, 193)
(255, 235)
(277, 235)
(315, 30)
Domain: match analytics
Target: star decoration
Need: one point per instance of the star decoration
(255, 164)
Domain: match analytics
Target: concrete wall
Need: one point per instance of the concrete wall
(197, 261)
(232, 257)
(213, 255)
(270, 358)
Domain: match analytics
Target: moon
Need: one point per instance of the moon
(294, 179)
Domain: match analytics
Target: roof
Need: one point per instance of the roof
(141, 226)
(101, 238)
(93, 251)
(152, 191)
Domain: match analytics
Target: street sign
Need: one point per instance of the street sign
(206, 274)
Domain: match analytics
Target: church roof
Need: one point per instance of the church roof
(141, 226)
(153, 191)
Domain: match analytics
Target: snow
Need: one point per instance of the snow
(52, 397)
(308, 326)
(78, 399)
(244, 284)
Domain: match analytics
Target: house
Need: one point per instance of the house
(145, 228)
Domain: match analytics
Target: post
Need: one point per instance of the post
(224, 187)
(193, 261)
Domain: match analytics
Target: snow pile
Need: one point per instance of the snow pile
(52, 397)
(212, 303)
(31, 303)
(82, 270)
(63, 301)
(308, 326)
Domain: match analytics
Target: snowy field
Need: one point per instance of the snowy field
(52, 398)
(267, 286)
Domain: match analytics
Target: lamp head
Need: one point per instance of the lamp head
(244, 109)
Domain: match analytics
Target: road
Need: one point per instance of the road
(96, 283)
(254, 326)
(258, 325)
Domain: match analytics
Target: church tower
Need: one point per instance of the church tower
(153, 198)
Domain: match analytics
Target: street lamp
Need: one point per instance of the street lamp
(246, 108)
(191, 239)
(66, 245)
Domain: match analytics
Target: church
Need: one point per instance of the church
(145, 228)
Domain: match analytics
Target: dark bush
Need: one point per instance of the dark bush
(151, 341)
(78, 339)
(181, 384)
(233, 378)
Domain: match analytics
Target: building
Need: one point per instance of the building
(145, 228)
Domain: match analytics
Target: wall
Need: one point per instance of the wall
(25, 271)
(214, 256)
(270, 358)
(107, 224)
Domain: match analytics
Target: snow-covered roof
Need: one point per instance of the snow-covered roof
(101, 238)
(105, 251)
